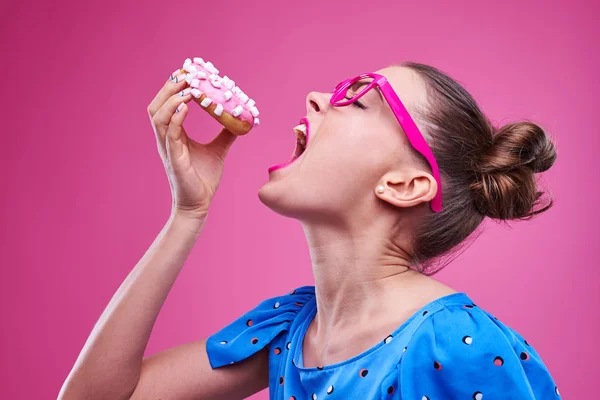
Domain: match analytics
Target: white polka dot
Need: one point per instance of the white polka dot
(468, 339)
(556, 390)
(424, 398)
(388, 339)
(478, 396)
(276, 305)
(223, 342)
(314, 396)
(330, 389)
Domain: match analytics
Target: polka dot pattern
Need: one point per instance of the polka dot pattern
(450, 345)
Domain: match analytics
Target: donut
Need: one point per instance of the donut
(220, 97)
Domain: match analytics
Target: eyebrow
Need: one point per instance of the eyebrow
(357, 85)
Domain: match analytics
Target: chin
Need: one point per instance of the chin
(280, 201)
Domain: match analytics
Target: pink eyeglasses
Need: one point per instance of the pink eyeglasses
(416, 139)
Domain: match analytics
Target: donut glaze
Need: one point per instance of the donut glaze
(220, 96)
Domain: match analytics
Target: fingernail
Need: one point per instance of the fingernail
(173, 74)
(184, 92)
(180, 107)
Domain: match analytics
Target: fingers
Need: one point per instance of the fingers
(174, 135)
(171, 86)
(162, 118)
(221, 144)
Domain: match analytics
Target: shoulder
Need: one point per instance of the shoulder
(257, 327)
(462, 351)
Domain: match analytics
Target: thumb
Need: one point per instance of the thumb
(222, 142)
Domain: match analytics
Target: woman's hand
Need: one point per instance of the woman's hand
(193, 169)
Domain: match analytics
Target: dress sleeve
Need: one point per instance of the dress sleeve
(463, 353)
(256, 328)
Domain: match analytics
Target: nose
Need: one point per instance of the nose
(317, 102)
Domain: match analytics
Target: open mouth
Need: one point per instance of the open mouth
(301, 131)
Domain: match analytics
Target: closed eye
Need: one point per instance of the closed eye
(357, 103)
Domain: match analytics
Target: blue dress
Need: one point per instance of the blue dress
(450, 349)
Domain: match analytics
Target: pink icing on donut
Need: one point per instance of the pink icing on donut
(217, 94)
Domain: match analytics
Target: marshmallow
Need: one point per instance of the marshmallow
(243, 97)
(201, 75)
(187, 62)
(209, 66)
(196, 93)
(215, 83)
(256, 122)
(199, 60)
(237, 111)
(228, 95)
(250, 103)
(188, 78)
(237, 90)
(229, 84)
(206, 102)
(195, 83)
(254, 111)
(218, 109)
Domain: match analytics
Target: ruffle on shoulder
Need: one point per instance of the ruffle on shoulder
(462, 352)
(256, 328)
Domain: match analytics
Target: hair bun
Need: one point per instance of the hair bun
(506, 187)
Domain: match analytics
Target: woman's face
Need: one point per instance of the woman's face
(349, 151)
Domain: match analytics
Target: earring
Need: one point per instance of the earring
(380, 189)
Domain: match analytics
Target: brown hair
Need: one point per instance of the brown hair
(485, 171)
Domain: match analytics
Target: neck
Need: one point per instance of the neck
(357, 275)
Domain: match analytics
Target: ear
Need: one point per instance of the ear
(407, 187)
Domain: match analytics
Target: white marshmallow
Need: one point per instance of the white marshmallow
(196, 93)
(218, 109)
(256, 122)
(229, 84)
(243, 97)
(189, 78)
(195, 83)
(250, 103)
(237, 111)
(206, 102)
(254, 111)
(199, 60)
(237, 90)
(192, 69)
(209, 66)
(201, 75)
(228, 95)
(215, 83)
(187, 62)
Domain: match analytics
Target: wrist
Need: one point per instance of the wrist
(192, 221)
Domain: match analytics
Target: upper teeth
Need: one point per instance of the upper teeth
(301, 133)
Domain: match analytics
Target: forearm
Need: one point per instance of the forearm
(112, 356)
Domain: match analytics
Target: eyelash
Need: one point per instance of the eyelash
(358, 104)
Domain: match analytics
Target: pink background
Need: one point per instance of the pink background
(84, 192)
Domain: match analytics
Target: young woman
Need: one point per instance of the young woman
(385, 190)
